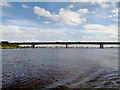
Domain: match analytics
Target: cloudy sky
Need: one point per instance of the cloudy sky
(52, 21)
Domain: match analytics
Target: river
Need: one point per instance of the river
(60, 68)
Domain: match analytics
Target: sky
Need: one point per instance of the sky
(59, 21)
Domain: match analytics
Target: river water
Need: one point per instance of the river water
(60, 68)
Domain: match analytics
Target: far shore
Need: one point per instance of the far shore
(25, 47)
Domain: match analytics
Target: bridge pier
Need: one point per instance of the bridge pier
(32, 46)
(101, 46)
(66, 45)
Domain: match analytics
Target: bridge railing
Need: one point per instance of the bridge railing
(66, 43)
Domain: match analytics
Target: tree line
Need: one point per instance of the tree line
(7, 44)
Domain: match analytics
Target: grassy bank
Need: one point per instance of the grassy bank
(7, 47)
(12, 47)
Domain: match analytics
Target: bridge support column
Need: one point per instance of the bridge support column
(32, 46)
(101, 46)
(66, 45)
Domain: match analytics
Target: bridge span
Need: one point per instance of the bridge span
(66, 43)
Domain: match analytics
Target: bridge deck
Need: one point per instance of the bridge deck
(37, 43)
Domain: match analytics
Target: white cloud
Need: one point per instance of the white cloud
(109, 9)
(92, 0)
(91, 32)
(104, 5)
(46, 22)
(70, 6)
(114, 9)
(101, 38)
(88, 37)
(21, 22)
(115, 12)
(118, 20)
(113, 4)
(100, 32)
(5, 4)
(100, 29)
(41, 12)
(65, 16)
(24, 6)
(14, 32)
(83, 11)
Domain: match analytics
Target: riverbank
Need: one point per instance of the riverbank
(7, 47)
(11, 47)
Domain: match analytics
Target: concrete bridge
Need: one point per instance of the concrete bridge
(66, 43)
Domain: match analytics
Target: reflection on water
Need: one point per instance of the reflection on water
(60, 68)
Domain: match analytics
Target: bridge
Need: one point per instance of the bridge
(66, 43)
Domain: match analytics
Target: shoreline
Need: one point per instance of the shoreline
(55, 47)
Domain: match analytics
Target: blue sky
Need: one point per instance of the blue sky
(63, 21)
